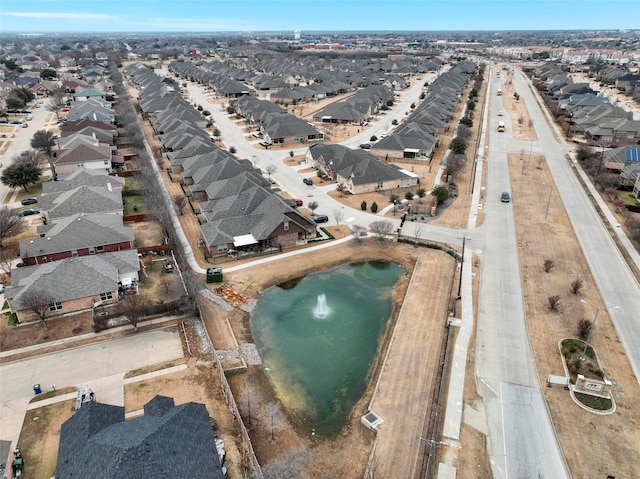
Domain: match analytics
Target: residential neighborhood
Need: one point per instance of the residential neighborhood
(157, 189)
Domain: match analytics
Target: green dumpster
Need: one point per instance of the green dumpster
(214, 275)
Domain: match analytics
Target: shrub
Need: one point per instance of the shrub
(373, 138)
(408, 195)
(374, 207)
(548, 265)
(554, 303)
(584, 326)
(206, 113)
(363, 205)
(576, 285)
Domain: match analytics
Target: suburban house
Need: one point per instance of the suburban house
(412, 141)
(358, 171)
(72, 126)
(77, 235)
(83, 177)
(253, 219)
(82, 199)
(167, 441)
(274, 123)
(88, 94)
(72, 284)
(85, 156)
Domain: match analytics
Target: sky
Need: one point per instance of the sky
(34, 16)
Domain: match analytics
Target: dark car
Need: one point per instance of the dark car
(320, 218)
(32, 200)
(28, 212)
(505, 198)
(308, 181)
(365, 146)
(16, 122)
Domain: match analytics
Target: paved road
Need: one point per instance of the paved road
(521, 436)
(21, 141)
(102, 364)
(618, 287)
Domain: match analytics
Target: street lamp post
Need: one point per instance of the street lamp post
(593, 325)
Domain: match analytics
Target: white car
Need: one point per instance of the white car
(500, 113)
(1, 288)
(383, 135)
(29, 117)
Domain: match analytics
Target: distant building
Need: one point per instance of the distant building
(296, 34)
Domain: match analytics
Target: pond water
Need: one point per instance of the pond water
(318, 337)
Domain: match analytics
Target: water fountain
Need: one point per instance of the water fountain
(321, 311)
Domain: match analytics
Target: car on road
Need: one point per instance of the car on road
(28, 212)
(365, 146)
(506, 197)
(29, 117)
(383, 135)
(25, 125)
(307, 181)
(500, 113)
(299, 202)
(320, 218)
(31, 200)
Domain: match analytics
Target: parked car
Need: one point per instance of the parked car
(365, 146)
(383, 135)
(299, 202)
(25, 125)
(16, 122)
(307, 181)
(28, 212)
(505, 198)
(1, 288)
(29, 117)
(31, 200)
(320, 218)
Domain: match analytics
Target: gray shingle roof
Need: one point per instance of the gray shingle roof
(75, 232)
(168, 441)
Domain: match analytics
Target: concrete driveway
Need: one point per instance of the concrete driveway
(102, 364)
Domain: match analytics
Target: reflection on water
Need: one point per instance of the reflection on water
(319, 368)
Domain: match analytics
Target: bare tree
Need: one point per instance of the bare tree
(6, 256)
(38, 302)
(382, 228)
(464, 132)
(180, 201)
(56, 101)
(277, 419)
(453, 166)
(134, 307)
(10, 224)
(31, 157)
(358, 232)
(338, 214)
(291, 466)
(271, 169)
